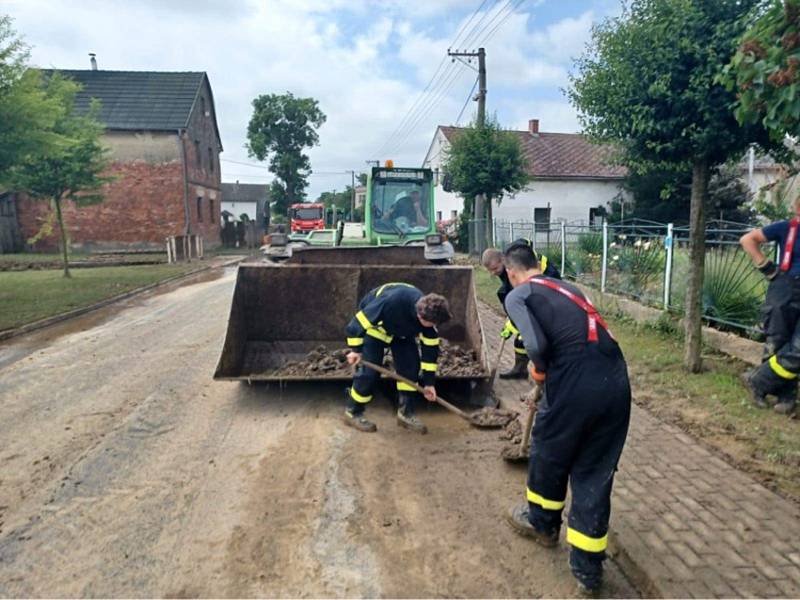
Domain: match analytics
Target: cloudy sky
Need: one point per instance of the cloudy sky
(368, 63)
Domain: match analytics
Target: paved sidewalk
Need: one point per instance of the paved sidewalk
(684, 522)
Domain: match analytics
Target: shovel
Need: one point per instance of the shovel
(477, 419)
(520, 452)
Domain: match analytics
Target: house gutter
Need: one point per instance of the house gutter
(187, 225)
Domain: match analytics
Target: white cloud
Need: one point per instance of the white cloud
(366, 61)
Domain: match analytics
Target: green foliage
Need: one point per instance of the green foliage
(342, 201)
(485, 160)
(776, 202)
(732, 290)
(764, 70)
(591, 243)
(648, 83)
(27, 112)
(70, 169)
(664, 196)
(283, 126)
(638, 264)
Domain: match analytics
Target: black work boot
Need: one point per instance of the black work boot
(354, 415)
(787, 398)
(517, 517)
(406, 417)
(359, 421)
(519, 370)
(755, 383)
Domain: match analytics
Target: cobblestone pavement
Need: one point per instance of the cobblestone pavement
(684, 522)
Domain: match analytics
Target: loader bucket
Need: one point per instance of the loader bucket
(280, 313)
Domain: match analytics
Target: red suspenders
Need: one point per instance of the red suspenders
(591, 312)
(786, 261)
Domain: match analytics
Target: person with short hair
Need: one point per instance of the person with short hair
(492, 260)
(777, 375)
(395, 315)
(582, 420)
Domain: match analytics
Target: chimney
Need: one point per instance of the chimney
(533, 126)
(93, 61)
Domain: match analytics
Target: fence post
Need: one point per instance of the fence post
(605, 258)
(668, 244)
(563, 249)
(511, 224)
(533, 237)
(494, 230)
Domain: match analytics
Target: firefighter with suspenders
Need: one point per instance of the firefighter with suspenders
(777, 375)
(582, 420)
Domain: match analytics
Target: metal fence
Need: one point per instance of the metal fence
(649, 262)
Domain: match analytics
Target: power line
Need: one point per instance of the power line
(480, 27)
(468, 37)
(412, 128)
(415, 107)
(503, 20)
(469, 97)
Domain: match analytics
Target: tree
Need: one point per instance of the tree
(341, 201)
(70, 169)
(27, 113)
(485, 160)
(665, 196)
(648, 84)
(765, 71)
(283, 126)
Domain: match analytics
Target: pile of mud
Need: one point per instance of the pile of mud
(493, 417)
(453, 361)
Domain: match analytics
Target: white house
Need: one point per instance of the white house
(251, 199)
(572, 179)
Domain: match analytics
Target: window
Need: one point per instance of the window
(596, 215)
(199, 209)
(541, 216)
(438, 215)
(203, 106)
(197, 154)
(453, 214)
(211, 160)
(211, 211)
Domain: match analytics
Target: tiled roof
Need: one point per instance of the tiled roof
(144, 100)
(244, 192)
(561, 155)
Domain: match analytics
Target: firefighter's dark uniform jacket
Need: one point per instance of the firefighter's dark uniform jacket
(505, 287)
(582, 421)
(387, 316)
(778, 373)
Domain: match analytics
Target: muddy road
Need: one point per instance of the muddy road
(126, 471)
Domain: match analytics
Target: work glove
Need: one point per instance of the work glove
(768, 268)
(508, 330)
(537, 376)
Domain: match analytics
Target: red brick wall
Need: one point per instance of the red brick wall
(204, 169)
(142, 206)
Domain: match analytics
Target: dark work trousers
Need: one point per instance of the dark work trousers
(406, 362)
(781, 312)
(580, 429)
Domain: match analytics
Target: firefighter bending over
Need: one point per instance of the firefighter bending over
(394, 315)
(582, 420)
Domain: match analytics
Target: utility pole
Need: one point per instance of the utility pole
(481, 98)
(353, 196)
(377, 163)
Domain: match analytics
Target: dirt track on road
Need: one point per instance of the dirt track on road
(126, 471)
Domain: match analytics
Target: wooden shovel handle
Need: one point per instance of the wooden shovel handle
(392, 375)
(526, 439)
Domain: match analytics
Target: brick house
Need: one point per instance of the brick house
(164, 145)
(571, 178)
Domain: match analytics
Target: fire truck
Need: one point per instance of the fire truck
(305, 217)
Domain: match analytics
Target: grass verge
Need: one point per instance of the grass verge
(712, 406)
(27, 296)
